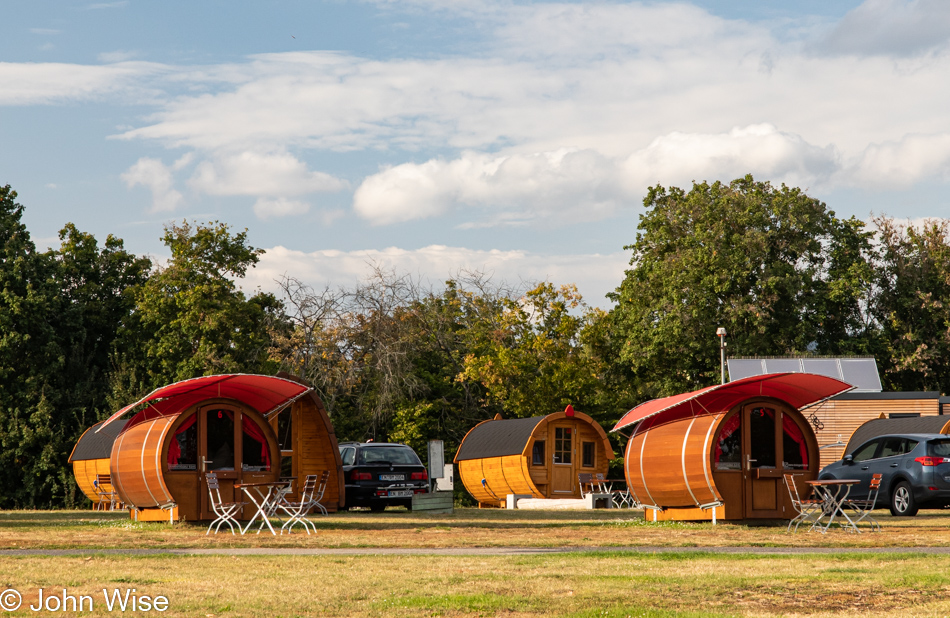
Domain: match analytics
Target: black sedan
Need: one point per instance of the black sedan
(382, 474)
(915, 469)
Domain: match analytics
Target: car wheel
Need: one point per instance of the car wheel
(902, 501)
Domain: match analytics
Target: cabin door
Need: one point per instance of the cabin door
(563, 476)
(762, 461)
(219, 450)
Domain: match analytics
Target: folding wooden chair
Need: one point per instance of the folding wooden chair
(105, 492)
(808, 510)
(297, 511)
(226, 511)
(586, 482)
(863, 508)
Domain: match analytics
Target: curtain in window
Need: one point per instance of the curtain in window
(174, 449)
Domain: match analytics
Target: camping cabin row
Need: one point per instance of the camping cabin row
(245, 428)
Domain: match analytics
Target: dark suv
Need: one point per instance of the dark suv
(915, 469)
(381, 474)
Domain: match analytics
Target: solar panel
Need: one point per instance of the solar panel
(744, 367)
(822, 366)
(862, 372)
(783, 365)
(859, 372)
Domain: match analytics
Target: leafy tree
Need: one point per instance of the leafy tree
(745, 256)
(191, 319)
(533, 361)
(29, 357)
(913, 304)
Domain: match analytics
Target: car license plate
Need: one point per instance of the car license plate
(401, 493)
(392, 477)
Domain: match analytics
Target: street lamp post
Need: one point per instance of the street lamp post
(722, 352)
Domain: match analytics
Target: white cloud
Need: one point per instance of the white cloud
(902, 163)
(266, 208)
(254, 173)
(595, 275)
(27, 83)
(157, 177)
(763, 150)
(582, 185)
(892, 27)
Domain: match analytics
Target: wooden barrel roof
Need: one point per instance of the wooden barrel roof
(882, 426)
(497, 438)
(93, 445)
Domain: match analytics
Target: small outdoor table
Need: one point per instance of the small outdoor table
(263, 501)
(833, 494)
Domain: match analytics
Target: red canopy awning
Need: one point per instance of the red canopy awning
(796, 389)
(263, 393)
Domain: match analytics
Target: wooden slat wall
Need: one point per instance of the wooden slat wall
(85, 472)
(134, 472)
(842, 416)
(316, 449)
(664, 477)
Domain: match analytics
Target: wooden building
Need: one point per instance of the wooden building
(836, 419)
(227, 424)
(90, 457)
(539, 456)
(721, 452)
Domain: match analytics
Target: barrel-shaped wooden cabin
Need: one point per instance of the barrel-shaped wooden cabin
(90, 457)
(227, 424)
(539, 456)
(721, 452)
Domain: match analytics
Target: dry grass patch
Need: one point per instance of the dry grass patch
(608, 584)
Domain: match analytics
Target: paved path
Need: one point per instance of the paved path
(471, 551)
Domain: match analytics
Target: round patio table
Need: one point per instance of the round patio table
(833, 494)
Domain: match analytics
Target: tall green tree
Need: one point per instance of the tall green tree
(913, 304)
(29, 357)
(746, 256)
(190, 317)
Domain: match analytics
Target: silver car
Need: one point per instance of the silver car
(914, 469)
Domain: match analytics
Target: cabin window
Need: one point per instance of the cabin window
(537, 453)
(183, 448)
(563, 445)
(284, 433)
(794, 447)
(762, 438)
(587, 454)
(221, 439)
(255, 451)
(728, 455)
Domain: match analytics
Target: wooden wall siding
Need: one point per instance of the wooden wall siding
(841, 417)
(316, 448)
(85, 472)
(136, 464)
(660, 472)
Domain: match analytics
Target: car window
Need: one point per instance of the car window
(348, 455)
(911, 445)
(865, 451)
(388, 454)
(938, 448)
(893, 446)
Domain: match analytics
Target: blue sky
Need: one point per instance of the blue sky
(430, 136)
